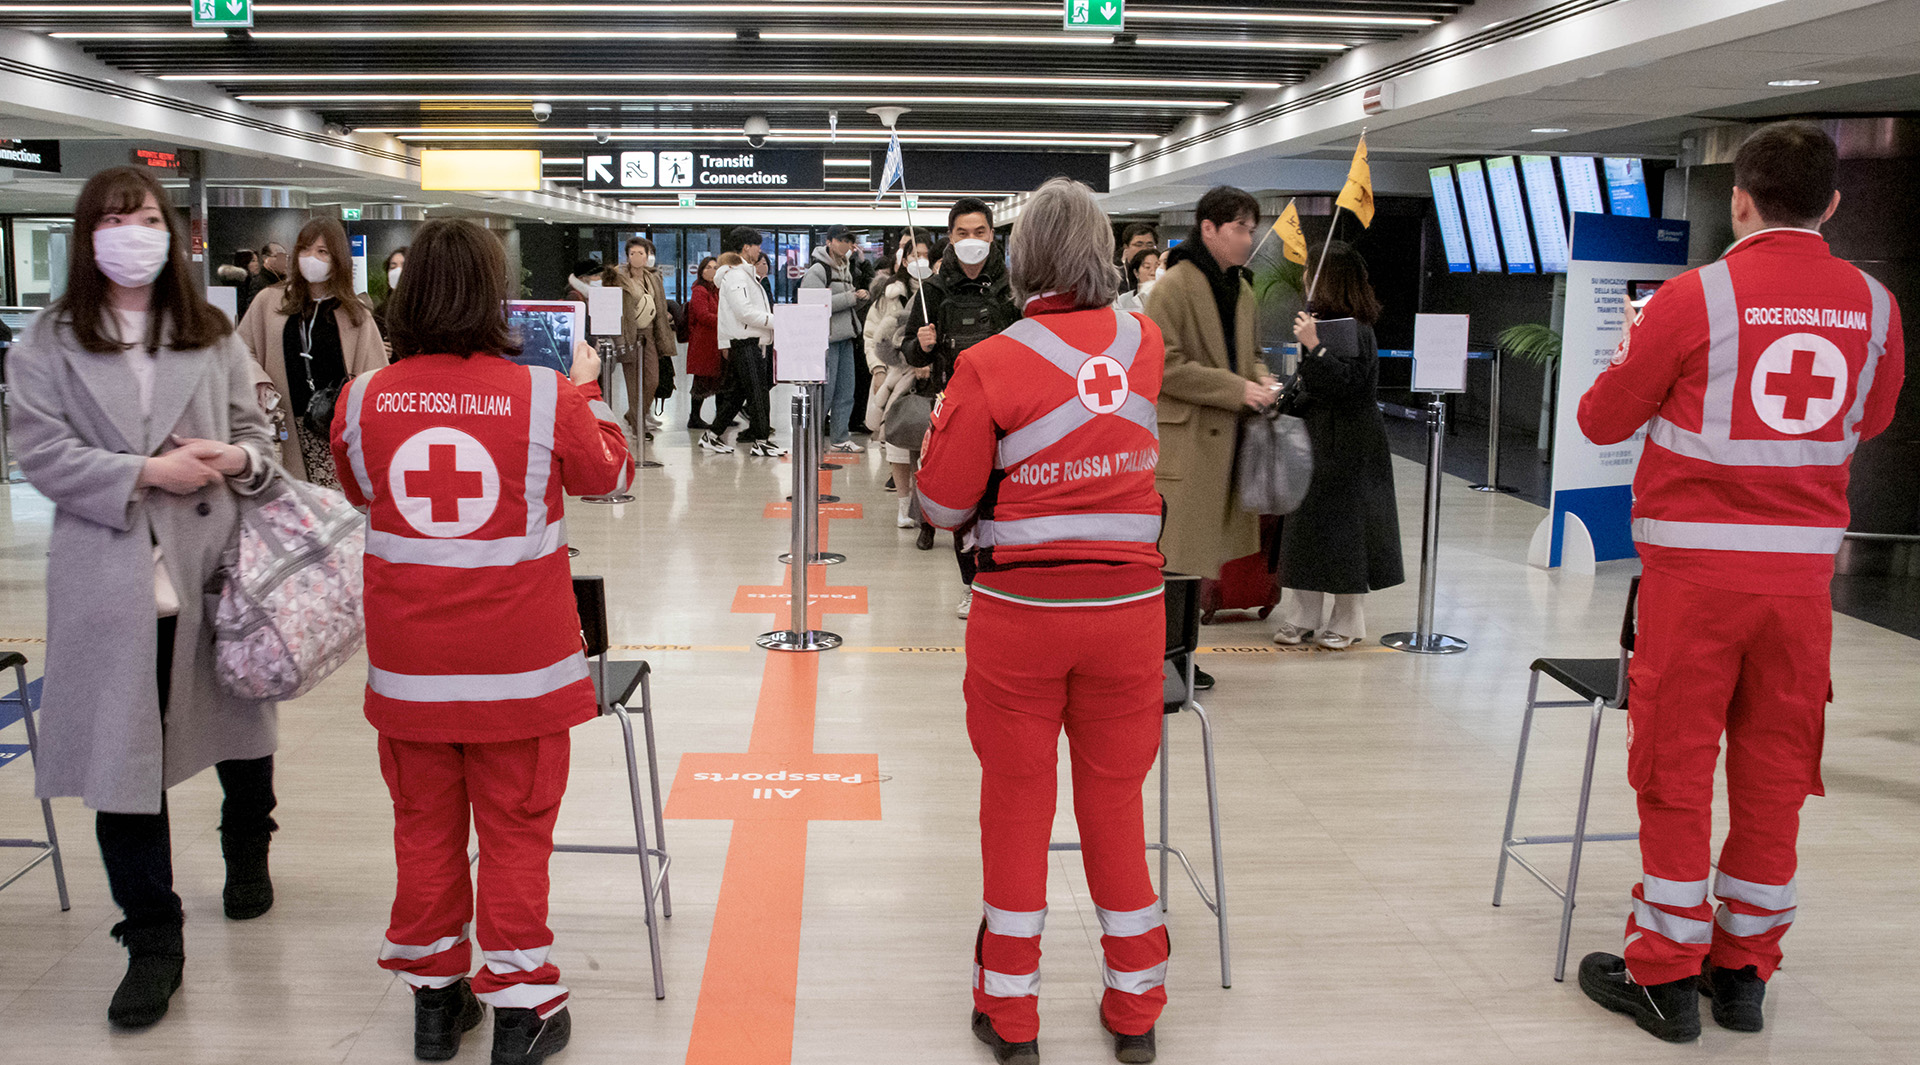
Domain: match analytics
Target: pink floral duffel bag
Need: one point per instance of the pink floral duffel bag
(287, 612)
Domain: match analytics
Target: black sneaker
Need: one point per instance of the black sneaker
(1669, 1011)
(1736, 994)
(1133, 1049)
(1202, 680)
(523, 1037)
(440, 1015)
(925, 540)
(1005, 1053)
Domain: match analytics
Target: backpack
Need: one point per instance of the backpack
(970, 315)
(679, 312)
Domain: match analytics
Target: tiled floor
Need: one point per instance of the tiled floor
(1362, 793)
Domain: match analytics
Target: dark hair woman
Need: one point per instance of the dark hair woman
(385, 282)
(309, 336)
(1143, 269)
(134, 413)
(463, 459)
(703, 340)
(1344, 541)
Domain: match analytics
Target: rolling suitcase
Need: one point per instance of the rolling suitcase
(1246, 583)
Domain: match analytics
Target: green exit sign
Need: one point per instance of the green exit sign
(350, 214)
(686, 199)
(223, 14)
(1108, 16)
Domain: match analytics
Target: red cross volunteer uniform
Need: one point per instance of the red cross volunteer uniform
(1756, 377)
(1043, 446)
(476, 666)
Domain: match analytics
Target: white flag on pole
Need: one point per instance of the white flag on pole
(894, 171)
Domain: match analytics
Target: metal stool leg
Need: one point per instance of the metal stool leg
(52, 848)
(1579, 840)
(1164, 833)
(1513, 799)
(1219, 860)
(659, 807)
(640, 845)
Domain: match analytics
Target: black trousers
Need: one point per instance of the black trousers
(747, 385)
(137, 849)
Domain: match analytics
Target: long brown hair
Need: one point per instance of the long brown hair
(1343, 290)
(194, 322)
(452, 299)
(339, 283)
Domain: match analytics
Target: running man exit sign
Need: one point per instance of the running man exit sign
(223, 14)
(1109, 16)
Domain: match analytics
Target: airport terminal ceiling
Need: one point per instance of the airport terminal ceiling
(468, 74)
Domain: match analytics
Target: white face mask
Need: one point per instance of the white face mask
(393, 278)
(971, 252)
(315, 269)
(919, 269)
(132, 256)
(1159, 272)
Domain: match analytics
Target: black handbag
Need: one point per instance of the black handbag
(318, 418)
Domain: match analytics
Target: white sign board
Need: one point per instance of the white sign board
(225, 297)
(1591, 516)
(605, 307)
(800, 338)
(1439, 353)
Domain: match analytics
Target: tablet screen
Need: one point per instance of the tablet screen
(546, 332)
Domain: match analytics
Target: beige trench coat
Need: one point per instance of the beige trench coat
(1201, 401)
(263, 329)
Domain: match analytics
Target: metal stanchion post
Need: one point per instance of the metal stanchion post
(607, 361)
(1493, 431)
(798, 635)
(1423, 640)
(807, 453)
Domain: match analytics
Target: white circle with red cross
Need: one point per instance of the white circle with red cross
(1799, 383)
(1102, 384)
(444, 482)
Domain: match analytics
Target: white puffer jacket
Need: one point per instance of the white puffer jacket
(744, 308)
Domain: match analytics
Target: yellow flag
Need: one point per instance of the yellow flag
(1357, 196)
(1293, 240)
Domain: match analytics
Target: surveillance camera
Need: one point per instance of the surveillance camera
(601, 136)
(757, 129)
(542, 112)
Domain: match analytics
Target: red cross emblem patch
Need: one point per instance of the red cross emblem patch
(444, 482)
(1103, 384)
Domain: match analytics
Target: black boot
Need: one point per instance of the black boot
(925, 540)
(156, 958)
(249, 890)
(1005, 1053)
(1133, 1049)
(1669, 1011)
(523, 1037)
(1737, 995)
(440, 1014)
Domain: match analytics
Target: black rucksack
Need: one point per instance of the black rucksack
(970, 314)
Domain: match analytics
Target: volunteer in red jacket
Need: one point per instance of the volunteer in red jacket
(1756, 376)
(1044, 443)
(476, 670)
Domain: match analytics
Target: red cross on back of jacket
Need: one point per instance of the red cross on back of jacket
(472, 632)
(1046, 440)
(1756, 376)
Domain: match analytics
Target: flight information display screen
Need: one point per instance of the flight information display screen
(1543, 206)
(1582, 178)
(1479, 212)
(1627, 187)
(1512, 213)
(1453, 230)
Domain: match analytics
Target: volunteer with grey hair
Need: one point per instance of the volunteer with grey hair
(1043, 448)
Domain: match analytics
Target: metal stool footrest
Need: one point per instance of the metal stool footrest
(49, 848)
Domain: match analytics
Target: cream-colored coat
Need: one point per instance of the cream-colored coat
(1201, 401)
(263, 329)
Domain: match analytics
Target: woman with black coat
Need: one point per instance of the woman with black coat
(1344, 541)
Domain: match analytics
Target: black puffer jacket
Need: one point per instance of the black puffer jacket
(960, 307)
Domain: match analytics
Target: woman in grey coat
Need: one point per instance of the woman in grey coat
(135, 414)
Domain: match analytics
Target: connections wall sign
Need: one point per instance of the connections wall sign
(43, 156)
(705, 170)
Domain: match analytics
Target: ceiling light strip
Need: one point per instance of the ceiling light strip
(730, 77)
(729, 98)
(542, 132)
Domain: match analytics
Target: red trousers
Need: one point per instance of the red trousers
(1756, 668)
(511, 792)
(1096, 671)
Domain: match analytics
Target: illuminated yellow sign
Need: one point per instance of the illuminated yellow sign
(480, 171)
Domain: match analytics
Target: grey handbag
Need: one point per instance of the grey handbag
(1275, 463)
(908, 417)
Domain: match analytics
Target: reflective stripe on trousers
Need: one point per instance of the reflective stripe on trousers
(1723, 536)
